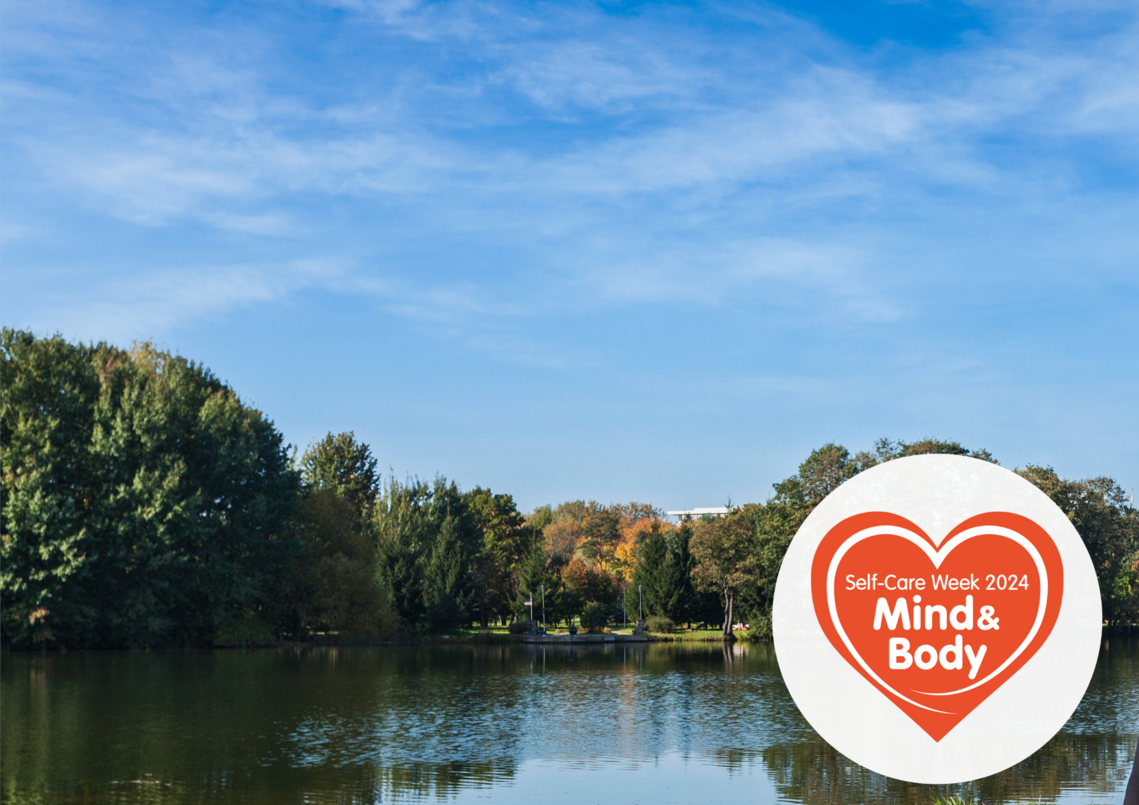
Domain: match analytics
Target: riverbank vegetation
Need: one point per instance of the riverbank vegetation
(144, 504)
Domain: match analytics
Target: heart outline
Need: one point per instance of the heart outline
(1044, 553)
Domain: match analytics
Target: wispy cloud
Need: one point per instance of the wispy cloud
(598, 227)
(124, 309)
(566, 132)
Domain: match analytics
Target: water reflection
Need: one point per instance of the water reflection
(811, 771)
(661, 722)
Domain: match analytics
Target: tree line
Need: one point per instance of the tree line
(144, 504)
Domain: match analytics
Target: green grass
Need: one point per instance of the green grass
(478, 630)
(690, 635)
(680, 635)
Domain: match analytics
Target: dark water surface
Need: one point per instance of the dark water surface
(660, 723)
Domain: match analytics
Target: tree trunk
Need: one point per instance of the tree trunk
(728, 612)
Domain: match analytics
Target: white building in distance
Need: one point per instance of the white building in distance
(696, 514)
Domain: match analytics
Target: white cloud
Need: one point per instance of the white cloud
(618, 159)
(11, 231)
(124, 309)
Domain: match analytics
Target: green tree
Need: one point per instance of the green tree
(332, 586)
(448, 590)
(595, 616)
(651, 581)
(725, 559)
(665, 581)
(540, 571)
(144, 504)
(601, 531)
(541, 517)
(404, 534)
(342, 465)
(823, 471)
(428, 546)
(887, 450)
(582, 584)
(1109, 528)
(506, 542)
(46, 425)
(661, 577)
(688, 605)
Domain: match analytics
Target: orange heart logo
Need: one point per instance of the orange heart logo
(937, 628)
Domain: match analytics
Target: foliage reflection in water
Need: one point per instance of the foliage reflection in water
(660, 723)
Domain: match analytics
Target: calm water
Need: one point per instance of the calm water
(661, 723)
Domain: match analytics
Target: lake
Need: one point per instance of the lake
(658, 723)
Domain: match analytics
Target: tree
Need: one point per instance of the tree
(342, 465)
(661, 578)
(725, 559)
(538, 571)
(562, 538)
(887, 450)
(143, 503)
(404, 533)
(633, 513)
(332, 585)
(600, 531)
(506, 541)
(448, 589)
(650, 578)
(428, 549)
(688, 604)
(1098, 509)
(823, 471)
(583, 585)
(595, 616)
(633, 534)
(46, 425)
(540, 518)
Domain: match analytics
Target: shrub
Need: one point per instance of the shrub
(242, 632)
(760, 630)
(595, 616)
(659, 624)
(520, 627)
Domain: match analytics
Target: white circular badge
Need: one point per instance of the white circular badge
(937, 619)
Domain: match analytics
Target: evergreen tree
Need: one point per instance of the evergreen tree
(428, 549)
(447, 588)
(662, 577)
(404, 535)
(652, 576)
(540, 571)
(685, 604)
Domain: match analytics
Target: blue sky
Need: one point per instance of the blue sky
(605, 251)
